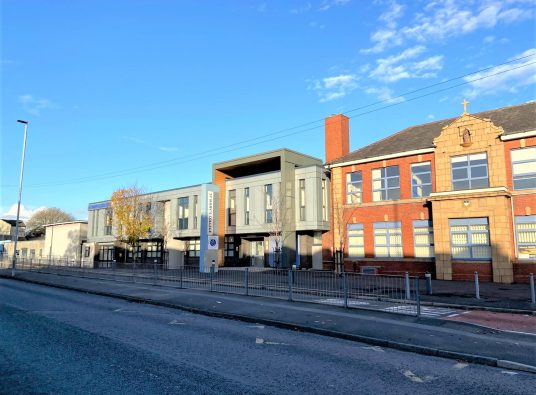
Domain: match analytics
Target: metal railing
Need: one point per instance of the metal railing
(398, 294)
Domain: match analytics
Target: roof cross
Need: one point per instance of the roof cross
(465, 103)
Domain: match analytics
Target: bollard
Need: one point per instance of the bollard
(246, 281)
(408, 289)
(290, 276)
(211, 274)
(417, 296)
(345, 289)
(477, 287)
(532, 293)
(181, 270)
(428, 282)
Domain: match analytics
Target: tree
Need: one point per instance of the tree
(276, 227)
(131, 215)
(342, 216)
(35, 226)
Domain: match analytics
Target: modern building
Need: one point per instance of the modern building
(449, 197)
(8, 229)
(263, 210)
(275, 209)
(62, 240)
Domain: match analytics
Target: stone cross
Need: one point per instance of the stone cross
(465, 103)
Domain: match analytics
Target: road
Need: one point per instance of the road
(65, 342)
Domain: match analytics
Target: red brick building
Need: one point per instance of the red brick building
(449, 197)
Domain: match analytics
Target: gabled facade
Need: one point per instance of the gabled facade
(449, 197)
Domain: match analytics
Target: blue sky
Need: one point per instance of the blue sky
(153, 92)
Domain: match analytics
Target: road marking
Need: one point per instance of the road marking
(416, 379)
(425, 311)
(175, 322)
(259, 341)
(460, 365)
(375, 348)
(116, 310)
(509, 373)
(256, 326)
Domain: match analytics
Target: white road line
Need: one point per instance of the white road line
(175, 322)
(375, 348)
(460, 365)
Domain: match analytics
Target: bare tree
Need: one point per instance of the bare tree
(35, 226)
(277, 227)
(342, 216)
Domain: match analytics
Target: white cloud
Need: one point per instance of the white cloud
(523, 75)
(33, 105)
(327, 4)
(302, 9)
(443, 19)
(331, 88)
(25, 212)
(136, 140)
(168, 149)
(394, 68)
(385, 94)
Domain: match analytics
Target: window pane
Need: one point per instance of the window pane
(460, 185)
(461, 252)
(460, 174)
(479, 171)
(392, 171)
(527, 183)
(482, 252)
(483, 183)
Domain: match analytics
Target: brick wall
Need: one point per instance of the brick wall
(522, 271)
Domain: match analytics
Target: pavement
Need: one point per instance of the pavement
(450, 338)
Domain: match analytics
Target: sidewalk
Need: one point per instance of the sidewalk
(444, 338)
(492, 295)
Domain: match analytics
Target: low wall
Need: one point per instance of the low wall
(465, 271)
(522, 270)
(415, 267)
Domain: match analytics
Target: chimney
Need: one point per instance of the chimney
(337, 137)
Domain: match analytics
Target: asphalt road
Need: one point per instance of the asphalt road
(65, 342)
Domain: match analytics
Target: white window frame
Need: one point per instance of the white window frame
(530, 163)
(416, 182)
(471, 233)
(423, 228)
(354, 187)
(391, 231)
(355, 233)
(381, 188)
(470, 179)
(526, 236)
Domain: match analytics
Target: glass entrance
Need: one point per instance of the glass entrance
(257, 253)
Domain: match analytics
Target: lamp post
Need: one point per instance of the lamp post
(25, 123)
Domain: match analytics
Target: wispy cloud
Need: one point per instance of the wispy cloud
(508, 81)
(168, 149)
(34, 106)
(442, 19)
(385, 94)
(302, 8)
(136, 140)
(336, 87)
(327, 4)
(396, 67)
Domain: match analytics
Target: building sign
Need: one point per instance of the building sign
(210, 213)
(213, 242)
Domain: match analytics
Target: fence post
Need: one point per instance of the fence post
(477, 286)
(345, 289)
(246, 281)
(290, 285)
(211, 275)
(532, 293)
(428, 281)
(408, 289)
(417, 296)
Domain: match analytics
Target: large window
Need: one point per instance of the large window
(356, 241)
(324, 200)
(526, 236)
(183, 212)
(423, 237)
(388, 239)
(108, 222)
(246, 206)
(196, 211)
(268, 209)
(302, 199)
(154, 249)
(229, 246)
(194, 247)
(524, 168)
(354, 187)
(421, 179)
(386, 184)
(469, 171)
(106, 253)
(231, 209)
(469, 238)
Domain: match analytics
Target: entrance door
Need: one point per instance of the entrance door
(257, 253)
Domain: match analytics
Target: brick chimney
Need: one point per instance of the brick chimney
(337, 137)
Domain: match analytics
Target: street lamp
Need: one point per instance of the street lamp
(25, 123)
